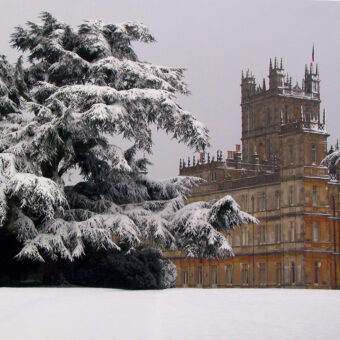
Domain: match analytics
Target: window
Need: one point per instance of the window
(213, 176)
(185, 276)
(315, 231)
(261, 202)
(252, 204)
(313, 154)
(244, 202)
(244, 236)
(229, 274)
(317, 266)
(291, 154)
(302, 232)
(292, 232)
(245, 274)
(278, 273)
(277, 233)
(298, 232)
(291, 195)
(268, 117)
(262, 234)
(315, 196)
(262, 273)
(214, 275)
(292, 273)
(277, 199)
(199, 275)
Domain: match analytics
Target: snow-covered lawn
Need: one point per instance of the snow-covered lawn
(179, 314)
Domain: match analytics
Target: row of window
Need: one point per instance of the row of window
(294, 234)
(313, 154)
(261, 200)
(262, 274)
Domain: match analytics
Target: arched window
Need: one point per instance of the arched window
(315, 231)
(292, 273)
(278, 273)
(277, 199)
(314, 154)
(214, 275)
(291, 154)
(292, 231)
(229, 274)
(245, 274)
(199, 275)
(315, 195)
(277, 233)
(185, 276)
(291, 195)
(244, 236)
(317, 266)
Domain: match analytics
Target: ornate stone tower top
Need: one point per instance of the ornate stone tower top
(248, 85)
(276, 75)
(312, 81)
(281, 110)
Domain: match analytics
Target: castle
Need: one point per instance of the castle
(277, 178)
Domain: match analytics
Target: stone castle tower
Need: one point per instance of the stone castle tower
(276, 118)
(278, 178)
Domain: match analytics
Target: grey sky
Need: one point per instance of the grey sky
(214, 40)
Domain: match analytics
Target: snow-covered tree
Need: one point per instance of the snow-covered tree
(59, 111)
(332, 162)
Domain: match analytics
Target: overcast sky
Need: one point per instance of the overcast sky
(214, 40)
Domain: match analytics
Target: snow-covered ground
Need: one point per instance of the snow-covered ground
(179, 314)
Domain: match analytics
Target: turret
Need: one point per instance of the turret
(248, 85)
(312, 81)
(276, 75)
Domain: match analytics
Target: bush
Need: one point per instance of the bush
(143, 268)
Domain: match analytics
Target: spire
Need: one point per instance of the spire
(270, 64)
(306, 69)
(264, 84)
(324, 117)
(337, 144)
(281, 64)
(242, 75)
(275, 62)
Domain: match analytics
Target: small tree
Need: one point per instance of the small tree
(81, 87)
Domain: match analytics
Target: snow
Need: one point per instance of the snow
(86, 313)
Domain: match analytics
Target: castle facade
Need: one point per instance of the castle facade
(277, 177)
